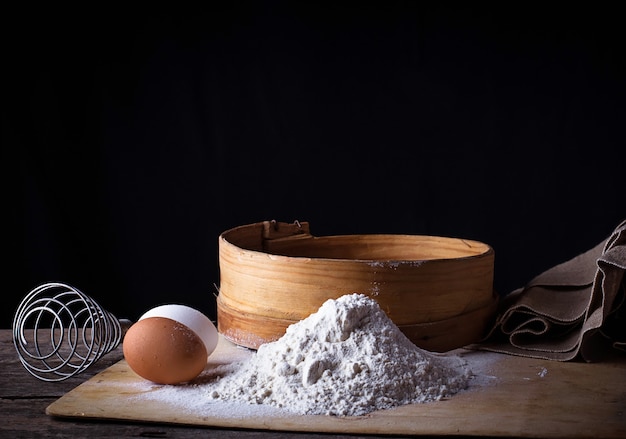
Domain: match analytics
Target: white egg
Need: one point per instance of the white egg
(191, 318)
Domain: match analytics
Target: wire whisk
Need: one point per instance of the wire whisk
(58, 332)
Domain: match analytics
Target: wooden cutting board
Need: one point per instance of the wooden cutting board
(510, 397)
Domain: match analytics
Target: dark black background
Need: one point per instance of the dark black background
(130, 141)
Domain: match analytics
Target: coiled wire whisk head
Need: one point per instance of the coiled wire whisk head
(58, 332)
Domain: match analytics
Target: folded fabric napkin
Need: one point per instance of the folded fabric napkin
(573, 310)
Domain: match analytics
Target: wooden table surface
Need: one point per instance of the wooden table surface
(24, 400)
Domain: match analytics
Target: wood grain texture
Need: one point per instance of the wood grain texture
(24, 399)
(510, 397)
(272, 282)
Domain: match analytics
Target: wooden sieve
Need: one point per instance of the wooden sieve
(437, 290)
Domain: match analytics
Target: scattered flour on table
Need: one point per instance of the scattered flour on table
(347, 359)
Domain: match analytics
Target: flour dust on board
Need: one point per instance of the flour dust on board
(347, 359)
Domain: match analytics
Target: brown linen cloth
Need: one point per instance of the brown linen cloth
(573, 309)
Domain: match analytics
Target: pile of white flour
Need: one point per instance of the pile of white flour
(347, 359)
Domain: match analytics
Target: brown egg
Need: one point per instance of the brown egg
(164, 351)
